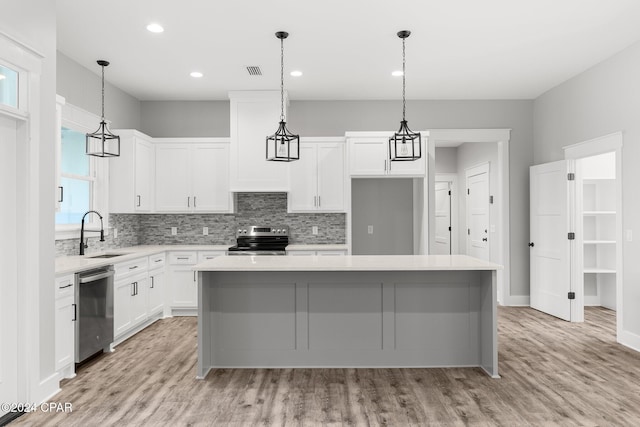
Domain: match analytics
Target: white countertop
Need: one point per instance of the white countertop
(347, 263)
(317, 248)
(76, 263)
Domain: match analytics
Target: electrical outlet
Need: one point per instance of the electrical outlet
(174, 231)
(115, 233)
(370, 229)
(314, 230)
(628, 234)
(205, 231)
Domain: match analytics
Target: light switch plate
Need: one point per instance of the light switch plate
(205, 231)
(314, 230)
(370, 229)
(174, 231)
(115, 233)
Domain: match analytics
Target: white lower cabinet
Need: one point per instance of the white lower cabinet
(157, 285)
(65, 318)
(183, 280)
(129, 303)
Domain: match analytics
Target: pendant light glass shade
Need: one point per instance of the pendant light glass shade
(102, 143)
(404, 145)
(282, 146)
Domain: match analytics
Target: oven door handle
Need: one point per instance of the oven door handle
(94, 277)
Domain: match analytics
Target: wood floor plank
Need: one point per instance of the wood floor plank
(553, 373)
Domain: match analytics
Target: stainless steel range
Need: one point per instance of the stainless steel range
(261, 240)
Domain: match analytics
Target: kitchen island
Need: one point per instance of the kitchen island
(347, 311)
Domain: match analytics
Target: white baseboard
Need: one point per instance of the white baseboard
(47, 388)
(629, 339)
(517, 301)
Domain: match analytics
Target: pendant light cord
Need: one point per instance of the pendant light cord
(404, 102)
(282, 80)
(103, 93)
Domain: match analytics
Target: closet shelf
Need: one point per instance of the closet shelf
(598, 270)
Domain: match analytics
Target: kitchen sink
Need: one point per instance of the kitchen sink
(107, 255)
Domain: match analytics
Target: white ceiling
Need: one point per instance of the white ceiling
(458, 49)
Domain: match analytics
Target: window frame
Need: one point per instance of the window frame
(77, 119)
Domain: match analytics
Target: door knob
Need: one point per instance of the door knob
(531, 244)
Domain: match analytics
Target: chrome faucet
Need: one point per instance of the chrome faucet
(84, 245)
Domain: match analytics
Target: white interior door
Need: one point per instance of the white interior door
(443, 219)
(8, 265)
(550, 248)
(477, 208)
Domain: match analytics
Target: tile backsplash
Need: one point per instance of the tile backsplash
(252, 209)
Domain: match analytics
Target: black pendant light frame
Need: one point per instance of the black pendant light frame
(282, 146)
(103, 143)
(404, 145)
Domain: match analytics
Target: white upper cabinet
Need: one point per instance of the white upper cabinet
(192, 175)
(254, 116)
(131, 176)
(369, 156)
(318, 179)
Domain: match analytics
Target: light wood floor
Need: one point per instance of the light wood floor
(553, 373)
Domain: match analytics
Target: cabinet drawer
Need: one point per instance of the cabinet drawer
(182, 258)
(65, 286)
(207, 255)
(131, 267)
(157, 261)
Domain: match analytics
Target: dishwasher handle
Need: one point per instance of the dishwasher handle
(94, 277)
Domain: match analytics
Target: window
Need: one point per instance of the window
(76, 178)
(8, 87)
(82, 180)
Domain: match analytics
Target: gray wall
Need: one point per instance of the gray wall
(185, 118)
(446, 160)
(82, 88)
(602, 100)
(387, 204)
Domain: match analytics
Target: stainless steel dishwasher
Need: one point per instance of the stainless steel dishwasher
(94, 312)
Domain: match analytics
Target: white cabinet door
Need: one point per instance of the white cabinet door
(144, 160)
(65, 331)
(369, 156)
(156, 291)
(139, 300)
(173, 178)
(123, 291)
(184, 289)
(210, 177)
(331, 177)
(303, 195)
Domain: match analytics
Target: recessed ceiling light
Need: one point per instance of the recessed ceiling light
(296, 73)
(196, 74)
(155, 28)
(397, 73)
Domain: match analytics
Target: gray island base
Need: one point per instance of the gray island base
(347, 311)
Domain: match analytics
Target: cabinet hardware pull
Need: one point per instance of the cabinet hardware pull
(152, 282)
(389, 163)
(133, 289)
(75, 312)
(67, 286)
(158, 260)
(138, 200)
(385, 165)
(484, 239)
(133, 268)
(194, 276)
(531, 244)
(194, 201)
(319, 202)
(314, 201)
(188, 202)
(183, 257)
(61, 194)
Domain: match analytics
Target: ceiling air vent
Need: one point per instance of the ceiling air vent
(254, 70)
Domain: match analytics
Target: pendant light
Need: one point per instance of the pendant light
(102, 143)
(283, 146)
(404, 145)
